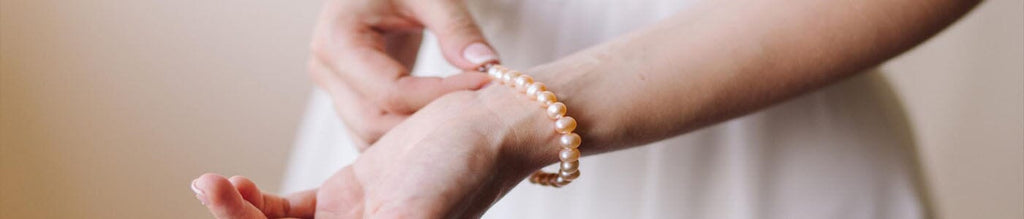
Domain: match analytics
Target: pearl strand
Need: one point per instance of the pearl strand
(563, 125)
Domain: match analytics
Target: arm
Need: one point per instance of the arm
(720, 60)
(723, 59)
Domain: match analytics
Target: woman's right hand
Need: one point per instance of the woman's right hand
(363, 50)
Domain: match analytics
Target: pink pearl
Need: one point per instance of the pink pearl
(522, 81)
(562, 181)
(569, 175)
(535, 177)
(548, 179)
(570, 166)
(556, 110)
(569, 155)
(535, 88)
(494, 72)
(546, 97)
(508, 77)
(571, 140)
(565, 125)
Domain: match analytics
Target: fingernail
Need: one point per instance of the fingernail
(479, 53)
(199, 192)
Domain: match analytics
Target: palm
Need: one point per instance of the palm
(420, 171)
(442, 162)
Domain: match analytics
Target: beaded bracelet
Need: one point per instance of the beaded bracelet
(564, 125)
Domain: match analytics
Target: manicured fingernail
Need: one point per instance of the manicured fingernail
(199, 192)
(479, 53)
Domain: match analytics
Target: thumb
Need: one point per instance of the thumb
(462, 42)
(297, 205)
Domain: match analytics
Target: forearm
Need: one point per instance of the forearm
(722, 59)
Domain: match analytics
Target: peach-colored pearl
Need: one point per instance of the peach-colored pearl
(502, 71)
(570, 166)
(556, 110)
(562, 181)
(569, 155)
(508, 77)
(546, 97)
(498, 75)
(565, 125)
(570, 175)
(548, 178)
(571, 140)
(535, 178)
(521, 82)
(535, 88)
(494, 72)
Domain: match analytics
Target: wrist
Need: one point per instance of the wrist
(578, 81)
(533, 148)
(520, 131)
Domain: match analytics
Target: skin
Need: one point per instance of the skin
(463, 151)
(362, 51)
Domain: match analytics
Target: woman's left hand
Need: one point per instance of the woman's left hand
(454, 158)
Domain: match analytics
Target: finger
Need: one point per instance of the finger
(297, 205)
(365, 121)
(222, 199)
(359, 54)
(384, 82)
(462, 42)
(248, 190)
(346, 103)
(417, 92)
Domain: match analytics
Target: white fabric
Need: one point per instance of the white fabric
(841, 152)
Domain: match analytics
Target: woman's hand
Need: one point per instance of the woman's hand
(453, 158)
(362, 51)
(460, 153)
(238, 197)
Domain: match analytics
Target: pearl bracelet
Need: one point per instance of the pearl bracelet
(564, 125)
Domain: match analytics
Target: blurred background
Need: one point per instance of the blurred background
(109, 108)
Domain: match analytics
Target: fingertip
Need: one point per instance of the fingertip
(462, 41)
(241, 182)
(216, 188)
(203, 184)
(466, 81)
(478, 54)
(221, 197)
(413, 93)
(209, 176)
(200, 192)
(249, 191)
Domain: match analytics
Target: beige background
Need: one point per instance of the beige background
(109, 108)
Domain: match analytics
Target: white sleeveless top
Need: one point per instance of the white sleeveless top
(841, 152)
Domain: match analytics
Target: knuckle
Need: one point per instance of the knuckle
(364, 128)
(369, 135)
(389, 100)
(463, 25)
(285, 210)
(363, 131)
